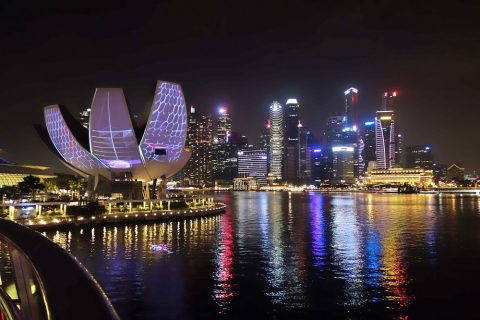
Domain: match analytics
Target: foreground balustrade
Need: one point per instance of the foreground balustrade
(40, 280)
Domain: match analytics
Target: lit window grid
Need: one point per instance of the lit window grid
(253, 164)
(276, 139)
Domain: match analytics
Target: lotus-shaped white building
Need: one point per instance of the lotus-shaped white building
(117, 150)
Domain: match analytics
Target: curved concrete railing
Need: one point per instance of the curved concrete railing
(48, 282)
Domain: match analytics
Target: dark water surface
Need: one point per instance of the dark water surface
(294, 256)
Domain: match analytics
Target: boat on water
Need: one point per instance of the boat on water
(390, 190)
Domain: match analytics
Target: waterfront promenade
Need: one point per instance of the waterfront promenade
(44, 215)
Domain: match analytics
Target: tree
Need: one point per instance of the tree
(9, 192)
(32, 185)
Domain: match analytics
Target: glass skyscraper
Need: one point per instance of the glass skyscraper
(385, 138)
(276, 139)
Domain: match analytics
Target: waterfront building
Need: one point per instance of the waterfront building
(385, 139)
(291, 121)
(321, 165)
(351, 106)
(276, 139)
(456, 172)
(368, 149)
(111, 153)
(245, 183)
(291, 158)
(399, 149)
(11, 174)
(419, 157)
(399, 176)
(224, 125)
(440, 171)
(305, 143)
(264, 141)
(199, 169)
(253, 163)
(389, 101)
(343, 164)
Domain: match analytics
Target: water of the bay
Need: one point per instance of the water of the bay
(294, 256)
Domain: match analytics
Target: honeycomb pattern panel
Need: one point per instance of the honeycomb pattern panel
(167, 125)
(65, 143)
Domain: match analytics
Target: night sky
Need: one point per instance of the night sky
(244, 55)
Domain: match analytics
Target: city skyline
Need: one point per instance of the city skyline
(427, 53)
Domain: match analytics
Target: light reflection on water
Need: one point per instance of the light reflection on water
(292, 255)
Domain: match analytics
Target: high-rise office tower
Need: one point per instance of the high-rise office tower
(351, 106)
(253, 163)
(264, 141)
(385, 139)
(304, 153)
(343, 164)
(199, 168)
(224, 125)
(399, 150)
(291, 120)
(276, 139)
(369, 146)
(389, 101)
(291, 158)
(419, 157)
(321, 165)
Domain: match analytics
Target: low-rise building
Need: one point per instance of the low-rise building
(418, 177)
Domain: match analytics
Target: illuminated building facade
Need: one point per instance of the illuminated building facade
(456, 172)
(369, 147)
(224, 125)
(419, 157)
(253, 163)
(291, 121)
(418, 177)
(12, 174)
(321, 165)
(276, 139)
(385, 139)
(399, 150)
(111, 151)
(389, 101)
(304, 154)
(343, 164)
(351, 106)
(199, 169)
(264, 141)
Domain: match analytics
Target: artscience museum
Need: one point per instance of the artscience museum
(116, 154)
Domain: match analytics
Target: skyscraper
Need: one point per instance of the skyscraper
(264, 141)
(199, 169)
(224, 125)
(351, 106)
(253, 163)
(389, 101)
(385, 139)
(276, 139)
(343, 164)
(369, 146)
(304, 153)
(419, 157)
(291, 120)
